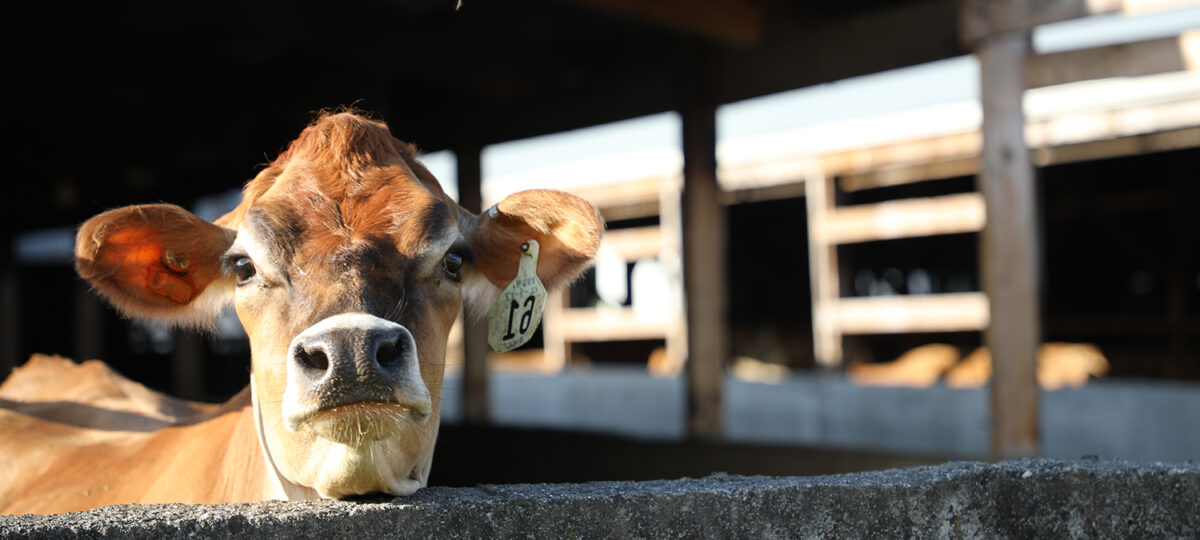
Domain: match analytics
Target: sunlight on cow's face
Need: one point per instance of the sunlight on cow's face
(348, 298)
(346, 262)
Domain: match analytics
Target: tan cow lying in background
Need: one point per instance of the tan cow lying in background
(347, 265)
(1059, 365)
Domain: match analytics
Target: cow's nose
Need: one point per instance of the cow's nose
(356, 353)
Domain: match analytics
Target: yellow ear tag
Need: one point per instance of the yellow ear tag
(515, 315)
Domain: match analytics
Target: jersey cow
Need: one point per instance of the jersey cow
(347, 265)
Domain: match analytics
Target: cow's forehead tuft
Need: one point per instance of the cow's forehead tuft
(344, 182)
(400, 212)
(348, 142)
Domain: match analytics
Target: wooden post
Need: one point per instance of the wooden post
(557, 351)
(704, 231)
(823, 270)
(670, 223)
(1008, 246)
(10, 308)
(475, 346)
(1183, 224)
(89, 324)
(187, 364)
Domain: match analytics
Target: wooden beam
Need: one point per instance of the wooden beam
(791, 190)
(1070, 138)
(1179, 53)
(1009, 247)
(951, 312)
(984, 18)
(1122, 147)
(475, 399)
(904, 218)
(1100, 125)
(622, 194)
(981, 19)
(617, 324)
(634, 243)
(911, 151)
(953, 164)
(704, 239)
(852, 164)
(908, 173)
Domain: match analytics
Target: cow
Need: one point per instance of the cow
(918, 368)
(347, 265)
(1059, 365)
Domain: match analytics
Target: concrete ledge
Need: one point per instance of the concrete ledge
(1021, 498)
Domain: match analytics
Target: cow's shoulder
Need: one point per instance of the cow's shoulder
(92, 395)
(90, 437)
(56, 409)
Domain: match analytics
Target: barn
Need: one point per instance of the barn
(824, 186)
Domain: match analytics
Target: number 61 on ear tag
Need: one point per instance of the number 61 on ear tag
(515, 315)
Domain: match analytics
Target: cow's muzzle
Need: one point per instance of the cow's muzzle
(354, 369)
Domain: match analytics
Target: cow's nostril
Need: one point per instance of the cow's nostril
(388, 354)
(314, 359)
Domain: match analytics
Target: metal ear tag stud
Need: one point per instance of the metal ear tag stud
(515, 315)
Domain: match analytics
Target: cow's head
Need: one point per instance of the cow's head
(347, 264)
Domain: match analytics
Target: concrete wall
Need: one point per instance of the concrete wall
(1112, 418)
(1016, 499)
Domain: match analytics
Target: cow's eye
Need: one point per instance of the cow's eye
(452, 263)
(244, 269)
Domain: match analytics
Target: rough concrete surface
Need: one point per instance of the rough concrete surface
(1012, 499)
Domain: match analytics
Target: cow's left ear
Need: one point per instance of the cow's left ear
(566, 227)
(156, 261)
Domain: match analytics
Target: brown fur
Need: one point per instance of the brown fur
(346, 220)
(920, 367)
(45, 380)
(156, 257)
(76, 468)
(108, 421)
(1059, 365)
(539, 214)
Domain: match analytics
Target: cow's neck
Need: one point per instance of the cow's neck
(275, 485)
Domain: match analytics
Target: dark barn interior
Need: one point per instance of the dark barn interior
(142, 102)
(136, 102)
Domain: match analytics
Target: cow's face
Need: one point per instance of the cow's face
(347, 265)
(348, 289)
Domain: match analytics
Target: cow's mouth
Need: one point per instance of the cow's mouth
(356, 424)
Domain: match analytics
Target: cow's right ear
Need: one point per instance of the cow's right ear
(156, 261)
(567, 227)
